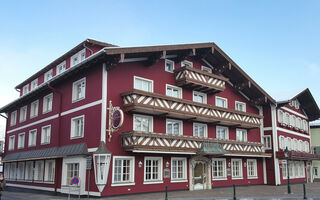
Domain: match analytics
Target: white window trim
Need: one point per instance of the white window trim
(24, 140)
(225, 169)
(45, 177)
(25, 118)
(78, 54)
(61, 64)
(15, 118)
(205, 132)
(199, 93)
(187, 61)
(74, 84)
(37, 113)
(179, 180)
(148, 116)
(41, 141)
(25, 91)
(132, 171)
(45, 75)
(145, 79)
(256, 169)
(227, 132)
(203, 68)
(72, 129)
(32, 83)
(226, 100)
(175, 121)
(160, 180)
(174, 87)
(239, 102)
(32, 145)
(241, 169)
(268, 136)
(246, 134)
(43, 107)
(11, 145)
(165, 63)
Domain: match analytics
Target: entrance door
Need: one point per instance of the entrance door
(199, 176)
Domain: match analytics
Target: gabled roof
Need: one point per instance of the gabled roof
(307, 103)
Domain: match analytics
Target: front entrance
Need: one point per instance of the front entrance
(200, 173)
(199, 176)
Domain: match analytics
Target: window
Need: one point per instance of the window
(142, 123)
(29, 171)
(241, 135)
(100, 171)
(199, 97)
(200, 130)
(298, 123)
(7, 171)
(292, 121)
(72, 171)
(315, 172)
(252, 168)
(21, 139)
(280, 116)
(295, 144)
(49, 170)
(47, 103)
(221, 102)
(173, 91)
(178, 169)
(13, 171)
(78, 57)
(288, 143)
(20, 171)
(61, 67)
(186, 63)
(38, 170)
(174, 127)
(45, 134)
(11, 142)
(287, 119)
(152, 169)
(34, 84)
(13, 118)
(77, 127)
(284, 170)
(206, 69)
(48, 75)
(222, 133)
(23, 114)
(236, 167)
(123, 169)
(305, 125)
(306, 145)
(25, 89)
(267, 141)
(219, 168)
(240, 106)
(32, 138)
(79, 90)
(143, 84)
(34, 109)
(169, 65)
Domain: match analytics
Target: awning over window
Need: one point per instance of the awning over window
(293, 155)
(47, 153)
(211, 149)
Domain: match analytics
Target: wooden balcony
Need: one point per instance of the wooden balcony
(156, 104)
(162, 143)
(199, 80)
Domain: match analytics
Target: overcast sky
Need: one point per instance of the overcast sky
(276, 42)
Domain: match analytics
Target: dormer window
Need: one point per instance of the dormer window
(34, 84)
(206, 69)
(186, 63)
(169, 65)
(61, 67)
(48, 75)
(25, 89)
(78, 57)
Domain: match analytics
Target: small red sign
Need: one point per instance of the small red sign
(75, 181)
(117, 118)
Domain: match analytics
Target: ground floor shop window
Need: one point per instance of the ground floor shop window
(252, 168)
(236, 166)
(49, 171)
(38, 170)
(20, 172)
(72, 171)
(219, 168)
(123, 169)
(29, 171)
(152, 169)
(178, 169)
(7, 170)
(13, 171)
(296, 169)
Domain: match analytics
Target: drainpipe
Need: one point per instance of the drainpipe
(91, 52)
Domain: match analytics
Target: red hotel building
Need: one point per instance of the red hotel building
(193, 119)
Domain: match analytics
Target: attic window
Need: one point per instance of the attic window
(78, 57)
(186, 63)
(206, 69)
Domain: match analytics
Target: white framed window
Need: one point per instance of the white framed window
(178, 169)
(240, 106)
(45, 134)
(13, 171)
(222, 133)
(77, 127)
(284, 170)
(206, 69)
(282, 142)
(173, 91)
(200, 130)
(288, 143)
(23, 114)
(174, 127)
(47, 103)
(169, 65)
(292, 121)
(11, 142)
(199, 97)
(20, 171)
(29, 171)
(48, 75)
(295, 143)
(78, 57)
(7, 171)
(298, 123)
(280, 116)
(25, 89)
(38, 170)
(267, 141)
(143, 84)
(21, 140)
(287, 119)
(219, 167)
(252, 171)
(72, 171)
(152, 170)
(305, 125)
(142, 123)
(49, 171)
(34, 84)
(221, 102)
(186, 63)
(307, 148)
(241, 135)
(300, 145)
(32, 138)
(123, 170)
(236, 168)
(61, 67)
(13, 118)
(79, 90)
(34, 109)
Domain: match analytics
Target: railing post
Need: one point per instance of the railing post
(166, 198)
(234, 192)
(304, 192)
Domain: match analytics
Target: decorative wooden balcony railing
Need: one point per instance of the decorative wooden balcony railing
(158, 142)
(199, 80)
(156, 104)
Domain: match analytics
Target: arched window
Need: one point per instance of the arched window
(291, 120)
(280, 116)
(287, 119)
(298, 123)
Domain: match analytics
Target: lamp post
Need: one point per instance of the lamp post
(286, 155)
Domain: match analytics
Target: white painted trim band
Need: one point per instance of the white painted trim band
(267, 128)
(30, 187)
(81, 107)
(168, 152)
(246, 155)
(293, 132)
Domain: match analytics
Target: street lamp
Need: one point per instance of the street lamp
(286, 155)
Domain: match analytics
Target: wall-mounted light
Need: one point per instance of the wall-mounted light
(245, 164)
(140, 164)
(229, 164)
(167, 164)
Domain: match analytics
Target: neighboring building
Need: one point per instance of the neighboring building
(315, 146)
(193, 120)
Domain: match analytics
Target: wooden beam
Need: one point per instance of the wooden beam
(122, 57)
(259, 101)
(243, 85)
(153, 58)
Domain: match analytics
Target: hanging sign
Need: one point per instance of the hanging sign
(117, 118)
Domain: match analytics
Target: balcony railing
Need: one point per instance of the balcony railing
(156, 104)
(200, 80)
(158, 142)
